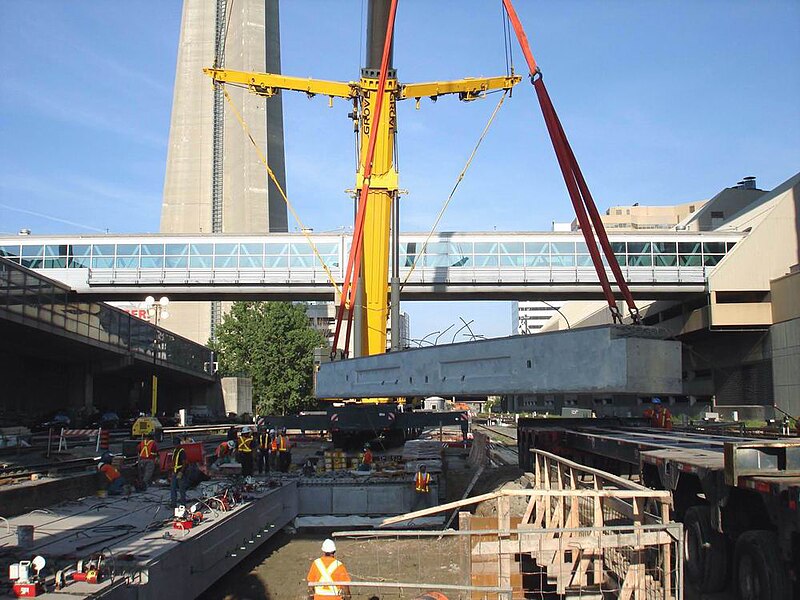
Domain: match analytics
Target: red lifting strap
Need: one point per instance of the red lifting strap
(585, 209)
(347, 303)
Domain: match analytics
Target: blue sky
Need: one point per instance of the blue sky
(663, 102)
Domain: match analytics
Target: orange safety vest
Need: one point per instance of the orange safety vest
(366, 458)
(147, 449)
(245, 443)
(421, 481)
(110, 472)
(326, 570)
(274, 444)
(223, 450)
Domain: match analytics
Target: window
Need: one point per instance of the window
(717, 214)
(713, 247)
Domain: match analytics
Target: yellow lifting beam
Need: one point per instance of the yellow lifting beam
(383, 184)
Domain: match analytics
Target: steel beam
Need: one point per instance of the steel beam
(593, 360)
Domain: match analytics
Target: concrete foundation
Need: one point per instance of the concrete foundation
(354, 496)
(603, 360)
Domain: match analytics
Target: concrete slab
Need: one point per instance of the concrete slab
(366, 497)
(152, 561)
(600, 360)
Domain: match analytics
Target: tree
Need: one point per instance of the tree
(272, 343)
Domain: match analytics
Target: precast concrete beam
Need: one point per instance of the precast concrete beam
(603, 360)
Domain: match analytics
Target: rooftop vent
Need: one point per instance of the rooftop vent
(24, 232)
(747, 183)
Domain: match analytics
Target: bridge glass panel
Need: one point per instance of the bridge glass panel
(11, 251)
(711, 260)
(103, 250)
(127, 249)
(512, 260)
(713, 247)
(690, 260)
(152, 250)
(618, 248)
(537, 260)
(485, 260)
(127, 262)
(563, 260)
(485, 248)
(436, 260)
(176, 262)
(638, 247)
(276, 262)
(251, 262)
(562, 248)
(665, 260)
(729, 245)
(276, 249)
(200, 261)
(584, 260)
(32, 256)
(201, 249)
(152, 262)
(689, 247)
(639, 260)
(226, 256)
(176, 249)
(102, 262)
(537, 248)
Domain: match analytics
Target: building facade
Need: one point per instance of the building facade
(250, 201)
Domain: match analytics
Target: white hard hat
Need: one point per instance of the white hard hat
(245, 429)
(328, 546)
(231, 444)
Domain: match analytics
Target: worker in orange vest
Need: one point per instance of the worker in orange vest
(284, 451)
(325, 571)
(148, 452)
(115, 482)
(223, 453)
(273, 450)
(659, 415)
(422, 491)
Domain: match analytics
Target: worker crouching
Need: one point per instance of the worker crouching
(223, 454)
(324, 572)
(115, 483)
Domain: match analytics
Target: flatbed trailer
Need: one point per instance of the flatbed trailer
(353, 424)
(737, 496)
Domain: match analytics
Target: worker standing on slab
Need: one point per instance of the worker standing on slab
(366, 459)
(325, 571)
(179, 479)
(244, 451)
(146, 466)
(284, 451)
(273, 450)
(422, 490)
(263, 451)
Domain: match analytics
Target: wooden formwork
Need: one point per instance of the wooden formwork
(583, 533)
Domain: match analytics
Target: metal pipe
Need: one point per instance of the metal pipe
(394, 298)
(377, 21)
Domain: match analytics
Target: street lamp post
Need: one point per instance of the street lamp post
(156, 311)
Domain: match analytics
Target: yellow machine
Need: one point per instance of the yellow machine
(383, 185)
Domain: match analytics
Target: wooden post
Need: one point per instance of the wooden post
(504, 525)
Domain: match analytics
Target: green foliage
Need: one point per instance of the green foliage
(273, 343)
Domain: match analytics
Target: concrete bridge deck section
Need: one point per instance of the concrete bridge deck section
(595, 360)
(476, 266)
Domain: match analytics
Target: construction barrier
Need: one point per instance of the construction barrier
(79, 433)
(105, 439)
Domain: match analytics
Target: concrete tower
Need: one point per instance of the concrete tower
(250, 201)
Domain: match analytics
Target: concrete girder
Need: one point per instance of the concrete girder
(594, 360)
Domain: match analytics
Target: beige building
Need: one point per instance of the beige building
(742, 337)
(250, 202)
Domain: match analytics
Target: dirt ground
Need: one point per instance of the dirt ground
(277, 571)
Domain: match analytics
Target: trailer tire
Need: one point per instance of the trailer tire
(706, 551)
(760, 571)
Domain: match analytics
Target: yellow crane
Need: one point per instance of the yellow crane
(383, 181)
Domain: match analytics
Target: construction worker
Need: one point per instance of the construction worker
(326, 570)
(273, 450)
(115, 482)
(146, 466)
(179, 480)
(422, 491)
(263, 451)
(366, 459)
(284, 451)
(244, 451)
(224, 453)
(659, 415)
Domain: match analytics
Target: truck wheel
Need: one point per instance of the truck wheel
(706, 551)
(760, 572)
